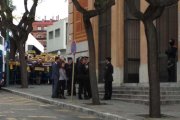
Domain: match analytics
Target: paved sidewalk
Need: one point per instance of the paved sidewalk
(112, 110)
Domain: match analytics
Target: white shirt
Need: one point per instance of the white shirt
(62, 74)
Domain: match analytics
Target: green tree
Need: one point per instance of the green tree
(153, 11)
(3, 30)
(100, 6)
(19, 32)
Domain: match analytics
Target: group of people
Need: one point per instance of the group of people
(62, 78)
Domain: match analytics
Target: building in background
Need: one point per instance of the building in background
(120, 35)
(33, 44)
(39, 30)
(57, 35)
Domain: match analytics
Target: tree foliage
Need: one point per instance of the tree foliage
(20, 31)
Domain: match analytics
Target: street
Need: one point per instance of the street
(14, 107)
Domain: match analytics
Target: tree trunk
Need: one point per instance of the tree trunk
(154, 83)
(92, 58)
(23, 66)
(13, 49)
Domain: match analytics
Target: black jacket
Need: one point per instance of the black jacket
(108, 71)
(81, 71)
(69, 70)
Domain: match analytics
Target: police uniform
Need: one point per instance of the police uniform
(108, 79)
(69, 68)
(81, 78)
(171, 67)
(87, 84)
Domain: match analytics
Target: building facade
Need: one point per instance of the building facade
(57, 35)
(39, 30)
(120, 35)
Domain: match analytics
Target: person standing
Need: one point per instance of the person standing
(55, 78)
(62, 79)
(108, 79)
(69, 68)
(171, 67)
(87, 84)
(81, 77)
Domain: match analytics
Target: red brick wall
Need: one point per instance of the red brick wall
(78, 28)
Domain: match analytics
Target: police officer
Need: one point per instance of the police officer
(171, 54)
(108, 79)
(69, 68)
(87, 84)
(81, 77)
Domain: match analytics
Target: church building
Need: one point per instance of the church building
(121, 36)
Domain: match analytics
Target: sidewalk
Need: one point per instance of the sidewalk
(112, 110)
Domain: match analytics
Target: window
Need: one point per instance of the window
(51, 35)
(39, 28)
(78, 25)
(39, 36)
(57, 32)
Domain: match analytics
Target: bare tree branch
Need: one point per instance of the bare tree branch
(152, 2)
(134, 11)
(25, 6)
(79, 7)
(98, 11)
(153, 12)
(29, 17)
(162, 3)
(165, 3)
(157, 13)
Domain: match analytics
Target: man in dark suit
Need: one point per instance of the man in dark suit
(87, 79)
(171, 53)
(69, 69)
(108, 79)
(55, 78)
(81, 77)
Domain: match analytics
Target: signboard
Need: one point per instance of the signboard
(73, 47)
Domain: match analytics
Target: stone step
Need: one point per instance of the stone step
(141, 92)
(135, 93)
(143, 97)
(144, 88)
(146, 102)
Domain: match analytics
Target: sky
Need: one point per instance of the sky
(48, 8)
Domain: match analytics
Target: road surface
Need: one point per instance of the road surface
(13, 107)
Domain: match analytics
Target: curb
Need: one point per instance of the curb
(104, 116)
